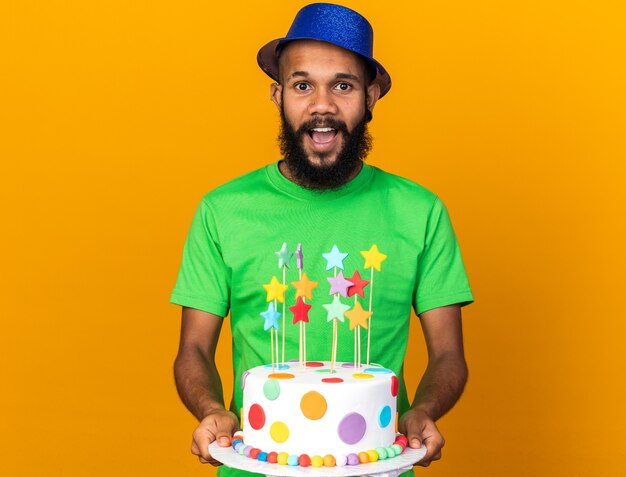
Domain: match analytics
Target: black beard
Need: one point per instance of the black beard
(356, 145)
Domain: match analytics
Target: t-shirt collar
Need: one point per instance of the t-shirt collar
(283, 184)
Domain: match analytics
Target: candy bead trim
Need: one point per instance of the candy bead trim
(303, 460)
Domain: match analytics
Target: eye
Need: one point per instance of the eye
(344, 86)
(301, 86)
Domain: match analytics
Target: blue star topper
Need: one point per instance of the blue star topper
(334, 258)
(271, 317)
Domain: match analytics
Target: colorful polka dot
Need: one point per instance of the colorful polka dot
(384, 418)
(281, 376)
(243, 379)
(332, 380)
(279, 367)
(313, 405)
(352, 428)
(348, 365)
(279, 432)
(362, 376)
(314, 364)
(256, 417)
(326, 371)
(271, 389)
(394, 386)
(377, 370)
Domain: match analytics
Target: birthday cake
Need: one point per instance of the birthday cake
(312, 415)
(328, 413)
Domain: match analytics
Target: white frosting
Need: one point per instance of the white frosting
(365, 397)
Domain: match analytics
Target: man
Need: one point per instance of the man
(321, 194)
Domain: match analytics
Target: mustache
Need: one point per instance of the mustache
(327, 122)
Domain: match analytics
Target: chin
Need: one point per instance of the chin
(322, 161)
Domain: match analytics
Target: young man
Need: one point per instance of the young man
(319, 195)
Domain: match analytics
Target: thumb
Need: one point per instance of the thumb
(223, 439)
(414, 436)
(225, 428)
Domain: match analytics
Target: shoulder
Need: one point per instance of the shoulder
(404, 189)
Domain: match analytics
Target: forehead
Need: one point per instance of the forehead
(318, 57)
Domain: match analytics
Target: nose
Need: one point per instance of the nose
(322, 102)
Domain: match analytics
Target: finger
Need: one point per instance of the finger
(200, 443)
(433, 444)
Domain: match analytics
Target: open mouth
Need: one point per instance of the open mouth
(322, 135)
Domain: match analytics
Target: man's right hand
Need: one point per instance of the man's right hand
(219, 425)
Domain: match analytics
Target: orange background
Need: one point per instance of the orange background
(116, 117)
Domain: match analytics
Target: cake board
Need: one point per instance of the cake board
(382, 468)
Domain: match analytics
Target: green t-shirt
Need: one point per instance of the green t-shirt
(230, 254)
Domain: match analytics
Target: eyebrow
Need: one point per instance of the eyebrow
(305, 74)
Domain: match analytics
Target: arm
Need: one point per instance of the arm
(442, 383)
(199, 384)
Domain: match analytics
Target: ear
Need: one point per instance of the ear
(373, 93)
(276, 95)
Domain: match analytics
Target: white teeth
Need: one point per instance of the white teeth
(322, 129)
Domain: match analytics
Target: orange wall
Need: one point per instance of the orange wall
(116, 117)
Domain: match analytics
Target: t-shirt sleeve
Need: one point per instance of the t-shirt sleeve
(441, 277)
(203, 278)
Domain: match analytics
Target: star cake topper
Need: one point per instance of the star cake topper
(271, 317)
(275, 290)
(300, 311)
(339, 285)
(299, 257)
(304, 287)
(336, 309)
(284, 256)
(358, 316)
(373, 258)
(334, 258)
(358, 285)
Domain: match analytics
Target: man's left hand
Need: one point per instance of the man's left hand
(420, 430)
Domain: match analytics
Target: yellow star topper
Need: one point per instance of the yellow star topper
(275, 290)
(373, 258)
(358, 316)
(304, 287)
